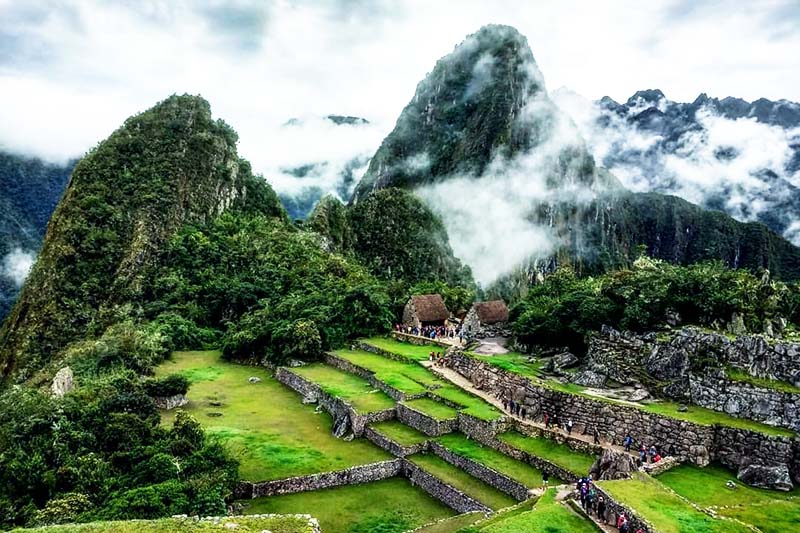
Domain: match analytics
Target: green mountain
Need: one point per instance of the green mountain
(166, 167)
(482, 115)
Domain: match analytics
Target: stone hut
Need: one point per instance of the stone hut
(486, 319)
(425, 310)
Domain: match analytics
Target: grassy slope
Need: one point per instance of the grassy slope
(285, 524)
(557, 453)
(547, 516)
(400, 433)
(432, 408)
(459, 479)
(454, 523)
(513, 362)
(524, 473)
(405, 349)
(473, 405)
(356, 391)
(410, 378)
(388, 506)
(667, 512)
(266, 426)
(771, 511)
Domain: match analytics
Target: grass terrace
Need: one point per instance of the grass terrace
(276, 524)
(400, 433)
(547, 516)
(351, 388)
(770, 511)
(264, 424)
(455, 523)
(472, 405)
(465, 447)
(413, 352)
(432, 408)
(473, 487)
(513, 362)
(409, 378)
(651, 500)
(555, 452)
(391, 506)
(741, 376)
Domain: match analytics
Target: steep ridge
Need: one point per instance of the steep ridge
(481, 126)
(165, 167)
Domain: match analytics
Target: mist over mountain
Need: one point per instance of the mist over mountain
(739, 157)
(29, 191)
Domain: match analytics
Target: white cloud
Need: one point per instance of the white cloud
(16, 265)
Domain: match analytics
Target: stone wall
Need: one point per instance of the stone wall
(691, 442)
(578, 445)
(395, 448)
(614, 509)
(351, 476)
(479, 430)
(418, 339)
(492, 477)
(338, 408)
(534, 460)
(447, 494)
(346, 366)
(424, 423)
(618, 355)
(712, 389)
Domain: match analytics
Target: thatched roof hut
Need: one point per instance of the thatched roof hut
(425, 310)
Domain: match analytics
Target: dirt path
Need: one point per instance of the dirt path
(459, 380)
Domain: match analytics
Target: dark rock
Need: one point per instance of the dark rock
(766, 477)
(614, 465)
(590, 378)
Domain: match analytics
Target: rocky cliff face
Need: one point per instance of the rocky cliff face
(168, 166)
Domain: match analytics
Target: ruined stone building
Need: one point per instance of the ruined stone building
(425, 310)
(486, 319)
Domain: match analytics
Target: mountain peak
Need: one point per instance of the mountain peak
(648, 96)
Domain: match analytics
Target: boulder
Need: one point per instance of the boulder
(638, 395)
(699, 455)
(63, 382)
(341, 426)
(170, 402)
(614, 465)
(766, 477)
(590, 378)
(254, 379)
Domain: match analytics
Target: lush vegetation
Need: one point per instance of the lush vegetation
(389, 506)
(522, 472)
(264, 425)
(100, 453)
(555, 452)
(565, 307)
(664, 509)
(473, 487)
(243, 524)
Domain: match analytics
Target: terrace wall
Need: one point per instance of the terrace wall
(492, 477)
(691, 442)
(424, 423)
(346, 366)
(614, 509)
(336, 406)
(395, 448)
(534, 460)
(445, 493)
(325, 480)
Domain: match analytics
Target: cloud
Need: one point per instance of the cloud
(16, 265)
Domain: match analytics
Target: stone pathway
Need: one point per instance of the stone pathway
(457, 379)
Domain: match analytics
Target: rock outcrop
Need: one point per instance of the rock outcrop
(766, 477)
(63, 382)
(614, 465)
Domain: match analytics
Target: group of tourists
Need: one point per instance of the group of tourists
(438, 358)
(594, 503)
(515, 408)
(432, 332)
(647, 454)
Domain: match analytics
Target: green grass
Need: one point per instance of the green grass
(771, 511)
(505, 514)
(389, 506)
(473, 487)
(351, 388)
(400, 433)
(264, 424)
(547, 516)
(432, 408)
(410, 378)
(555, 452)
(512, 362)
(522, 472)
(410, 351)
(454, 523)
(472, 404)
(284, 524)
(651, 500)
(781, 386)
(708, 417)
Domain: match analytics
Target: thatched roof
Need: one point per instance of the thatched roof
(491, 312)
(430, 308)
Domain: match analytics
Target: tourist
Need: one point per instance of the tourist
(642, 453)
(511, 406)
(505, 404)
(657, 458)
(601, 509)
(522, 411)
(569, 427)
(653, 453)
(596, 435)
(628, 442)
(546, 420)
(545, 479)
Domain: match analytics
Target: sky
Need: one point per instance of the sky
(72, 71)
